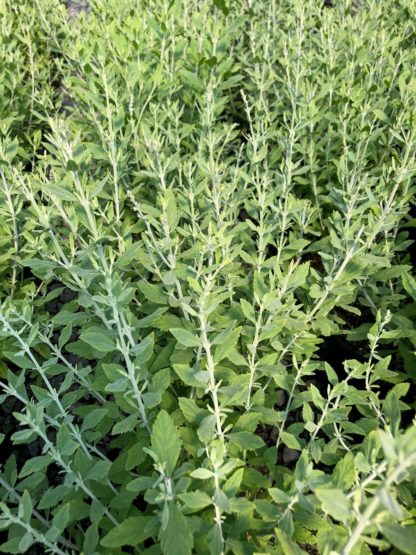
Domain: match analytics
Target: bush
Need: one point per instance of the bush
(207, 304)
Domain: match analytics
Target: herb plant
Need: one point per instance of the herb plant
(207, 301)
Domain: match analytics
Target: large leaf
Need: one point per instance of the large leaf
(402, 537)
(131, 531)
(165, 441)
(335, 503)
(409, 283)
(100, 339)
(175, 536)
(185, 337)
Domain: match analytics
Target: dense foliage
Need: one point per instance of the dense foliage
(207, 318)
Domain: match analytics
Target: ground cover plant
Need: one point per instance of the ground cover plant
(207, 296)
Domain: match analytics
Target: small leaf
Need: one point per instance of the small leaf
(215, 539)
(248, 310)
(152, 292)
(246, 440)
(227, 345)
(60, 192)
(185, 337)
(99, 339)
(60, 520)
(202, 474)
(93, 419)
(290, 441)
(390, 503)
(191, 411)
(99, 471)
(25, 542)
(129, 532)
(279, 496)
(190, 376)
(91, 539)
(206, 428)
(126, 425)
(335, 503)
(195, 500)
(25, 507)
(288, 547)
(34, 465)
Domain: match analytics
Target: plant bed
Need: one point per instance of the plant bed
(207, 297)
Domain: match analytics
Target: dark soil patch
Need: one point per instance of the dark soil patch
(65, 296)
(336, 349)
(76, 7)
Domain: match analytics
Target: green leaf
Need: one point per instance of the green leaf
(409, 283)
(93, 419)
(118, 386)
(195, 500)
(390, 503)
(227, 345)
(100, 339)
(290, 441)
(99, 471)
(34, 465)
(335, 503)
(140, 484)
(60, 192)
(26, 542)
(52, 497)
(206, 428)
(402, 537)
(91, 539)
(222, 501)
(152, 292)
(221, 4)
(131, 531)
(215, 539)
(126, 425)
(202, 474)
(232, 485)
(192, 80)
(60, 520)
(185, 337)
(248, 310)
(288, 547)
(191, 377)
(175, 536)
(143, 350)
(279, 496)
(165, 441)
(246, 440)
(64, 442)
(191, 411)
(25, 507)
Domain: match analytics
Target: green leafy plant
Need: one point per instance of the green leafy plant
(207, 302)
